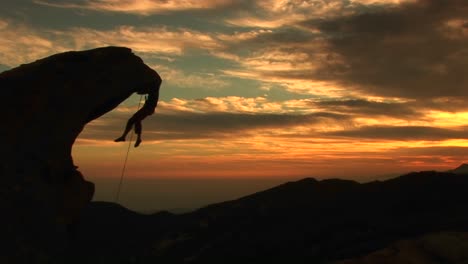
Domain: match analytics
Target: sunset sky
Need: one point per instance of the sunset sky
(269, 88)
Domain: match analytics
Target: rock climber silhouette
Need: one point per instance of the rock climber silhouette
(148, 109)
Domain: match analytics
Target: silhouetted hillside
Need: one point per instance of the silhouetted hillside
(109, 228)
(307, 221)
(462, 169)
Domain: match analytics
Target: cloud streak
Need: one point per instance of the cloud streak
(275, 14)
(214, 125)
(140, 7)
(404, 133)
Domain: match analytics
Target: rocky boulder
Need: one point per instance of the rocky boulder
(435, 248)
(45, 106)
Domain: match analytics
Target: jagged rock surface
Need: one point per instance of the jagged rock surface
(446, 247)
(45, 106)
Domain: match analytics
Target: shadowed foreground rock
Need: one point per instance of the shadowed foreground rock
(447, 247)
(45, 105)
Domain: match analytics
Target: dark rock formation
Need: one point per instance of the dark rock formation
(45, 105)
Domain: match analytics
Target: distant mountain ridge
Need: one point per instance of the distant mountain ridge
(306, 221)
(462, 169)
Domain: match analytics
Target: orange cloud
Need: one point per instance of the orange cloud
(242, 36)
(143, 39)
(229, 104)
(272, 156)
(455, 28)
(387, 2)
(279, 13)
(140, 7)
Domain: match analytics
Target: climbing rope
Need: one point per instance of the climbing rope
(126, 159)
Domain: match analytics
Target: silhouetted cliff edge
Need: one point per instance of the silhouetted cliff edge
(45, 105)
(307, 221)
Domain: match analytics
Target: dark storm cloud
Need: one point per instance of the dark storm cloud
(451, 104)
(403, 133)
(434, 151)
(364, 108)
(415, 50)
(210, 125)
